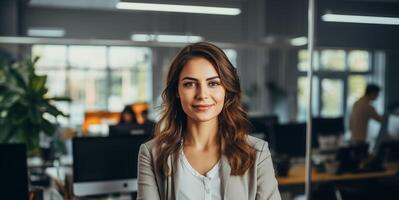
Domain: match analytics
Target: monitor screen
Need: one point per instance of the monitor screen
(393, 126)
(13, 172)
(290, 139)
(104, 165)
(129, 129)
(328, 126)
(262, 126)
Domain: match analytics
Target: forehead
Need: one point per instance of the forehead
(199, 68)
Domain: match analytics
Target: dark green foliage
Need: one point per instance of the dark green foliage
(25, 110)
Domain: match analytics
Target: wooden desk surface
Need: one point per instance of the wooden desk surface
(296, 175)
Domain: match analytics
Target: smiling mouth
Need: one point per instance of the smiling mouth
(202, 107)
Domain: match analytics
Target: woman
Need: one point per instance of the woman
(201, 148)
(128, 116)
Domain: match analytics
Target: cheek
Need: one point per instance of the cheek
(185, 98)
(219, 96)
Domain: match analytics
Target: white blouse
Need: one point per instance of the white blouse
(195, 186)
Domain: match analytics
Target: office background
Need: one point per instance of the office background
(104, 58)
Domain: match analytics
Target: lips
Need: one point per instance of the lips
(203, 107)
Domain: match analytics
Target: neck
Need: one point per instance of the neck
(202, 135)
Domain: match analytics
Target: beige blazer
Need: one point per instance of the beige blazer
(259, 182)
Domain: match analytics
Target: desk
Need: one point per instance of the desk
(62, 177)
(296, 175)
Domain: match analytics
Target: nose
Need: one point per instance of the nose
(202, 92)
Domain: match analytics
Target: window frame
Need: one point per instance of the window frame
(344, 76)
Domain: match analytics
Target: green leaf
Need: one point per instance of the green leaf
(39, 83)
(52, 110)
(8, 100)
(48, 127)
(59, 99)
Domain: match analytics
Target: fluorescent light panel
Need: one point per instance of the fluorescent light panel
(178, 38)
(299, 41)
(360, 19)
(143, 37)
(166, 38)
(46, 32)
(178, 8)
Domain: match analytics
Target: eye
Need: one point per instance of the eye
(189, 84)
(214, 83)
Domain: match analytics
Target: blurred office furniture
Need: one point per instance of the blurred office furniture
(327, 137)
(130, 129)
(356, 172)
(104, 165)
(352, 157)
(289, 140)
(262, 126)
(288, 144)
(327, 132)
(389, 127)
(296, 175)
(13, 171)
(389, 150)
(98, 121)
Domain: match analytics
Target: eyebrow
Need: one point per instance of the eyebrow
(194, 79)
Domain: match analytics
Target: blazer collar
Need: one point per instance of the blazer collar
(226, 170)
(175, 174)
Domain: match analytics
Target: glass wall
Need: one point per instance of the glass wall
(340, 78)
(95, 77)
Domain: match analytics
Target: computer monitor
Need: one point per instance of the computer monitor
(393, 126)
(389, 150)
(290, 139)
(104, 165)
(326, 127)
(263, 126)
(129, 129)
(13, 172)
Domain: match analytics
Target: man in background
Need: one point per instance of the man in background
(362, 112)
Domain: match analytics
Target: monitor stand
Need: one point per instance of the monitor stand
(123, 196)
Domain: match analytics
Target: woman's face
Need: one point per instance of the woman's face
(127, 117)
(200, 90)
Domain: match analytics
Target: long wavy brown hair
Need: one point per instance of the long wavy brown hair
(233, 123)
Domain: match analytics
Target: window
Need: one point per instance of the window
(340, 78)
(331, 97)
(95, 77)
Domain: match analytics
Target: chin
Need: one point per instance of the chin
(202, 118)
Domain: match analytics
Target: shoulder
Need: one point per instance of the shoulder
(261, 147)
(149, 144)
(257, 144)
(148, 147)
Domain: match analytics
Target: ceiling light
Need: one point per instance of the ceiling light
(179, 38)
(166, 38)
(360, 19)
(178, 8)
(46, 32)
(299, 41)
(143, 37)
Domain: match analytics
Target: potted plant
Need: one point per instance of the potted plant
(25, 109)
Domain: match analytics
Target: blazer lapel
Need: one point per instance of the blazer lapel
(226, 170)
(175, 174)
